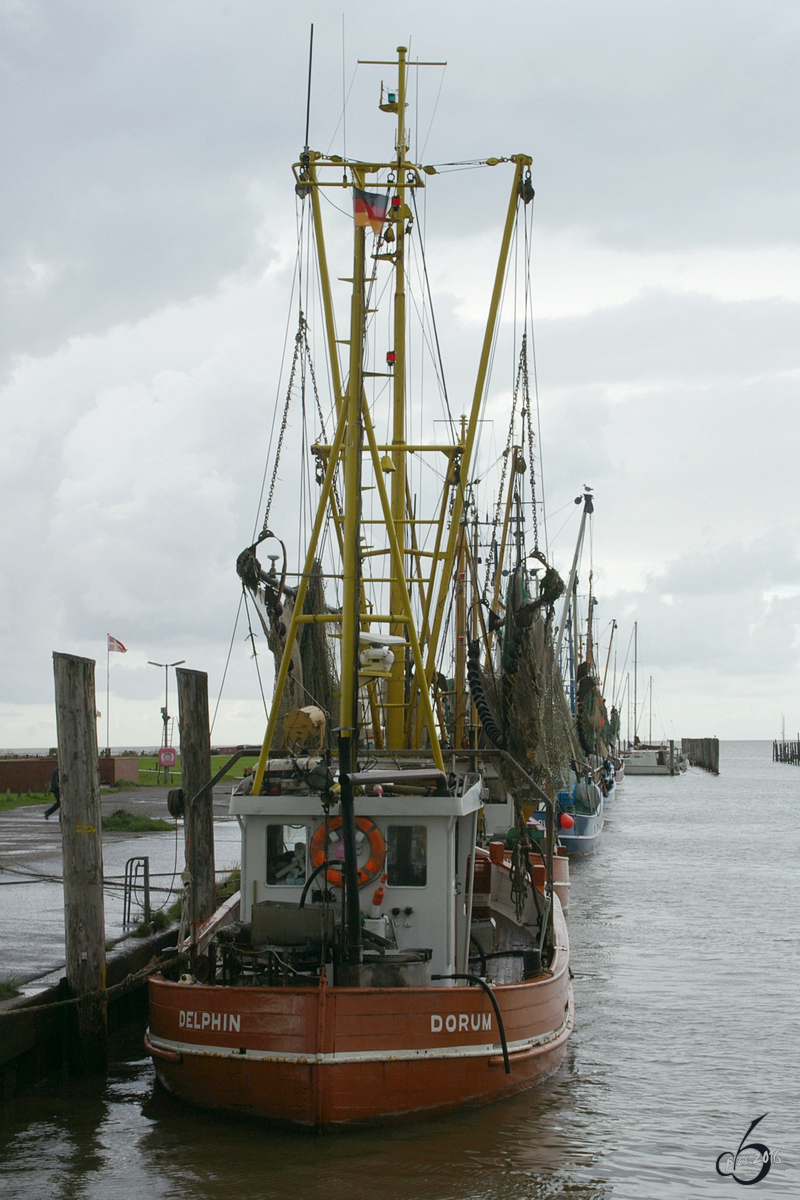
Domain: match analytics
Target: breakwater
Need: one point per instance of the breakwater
(702, 752)
(786, 752)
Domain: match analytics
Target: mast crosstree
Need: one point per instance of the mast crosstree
(395, 691)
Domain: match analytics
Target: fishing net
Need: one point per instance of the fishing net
(535, 725)
(592, 717)
(313, 676)
(537, 730)
(320, 675)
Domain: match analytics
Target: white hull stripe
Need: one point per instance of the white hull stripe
(489, 1049)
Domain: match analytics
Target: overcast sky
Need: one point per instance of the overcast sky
(147, 239)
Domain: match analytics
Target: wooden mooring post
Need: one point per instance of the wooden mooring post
(195, 772)
(81, 838)
(786, 752)
(702, 752)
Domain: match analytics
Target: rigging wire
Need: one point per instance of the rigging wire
(426, 278)
(251, 637)
(490, 365)
(328, 200)
(227, 663)
(433, 115)
(528, 421)
(539, 422)
(344, 97)
(566, 523)
(342, 115)
(618, 695)
(275, 408)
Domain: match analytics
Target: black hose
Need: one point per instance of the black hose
(482, 984)
(313, 876)
(481, 954)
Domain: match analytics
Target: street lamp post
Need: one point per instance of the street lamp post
(165, 709)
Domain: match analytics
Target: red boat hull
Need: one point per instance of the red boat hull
(324, 1057)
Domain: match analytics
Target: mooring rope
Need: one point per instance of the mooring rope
(117, 989)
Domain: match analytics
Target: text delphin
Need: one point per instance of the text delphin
(226, 1022)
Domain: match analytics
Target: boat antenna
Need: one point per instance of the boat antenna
(308, 98)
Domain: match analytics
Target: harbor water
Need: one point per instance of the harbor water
(685, 951)
(30, 883)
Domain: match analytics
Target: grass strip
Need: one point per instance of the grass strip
(122, 821)
(151, 775)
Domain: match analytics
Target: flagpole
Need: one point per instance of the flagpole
(108, 691)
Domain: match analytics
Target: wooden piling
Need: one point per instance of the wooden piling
(786, 752)
(702, 752)
(81, 837)
(195, 772)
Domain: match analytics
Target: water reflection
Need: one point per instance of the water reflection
(523, 1146)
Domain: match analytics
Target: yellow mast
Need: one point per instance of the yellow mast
(351, 557)
(421, 684)
(351, 600)
(395, 691)
(355, 445)
(460, 698)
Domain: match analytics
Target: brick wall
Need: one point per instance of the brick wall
(112, 770)
(19, 774)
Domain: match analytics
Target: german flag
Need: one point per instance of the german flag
(370, 208)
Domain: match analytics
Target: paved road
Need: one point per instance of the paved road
(26, 837)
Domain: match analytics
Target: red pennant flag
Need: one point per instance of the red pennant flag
(114, 644)
(370, 208)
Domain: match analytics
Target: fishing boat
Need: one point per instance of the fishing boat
(387, 955)
(653, 759)
(584, 805)
(580, 805)
(650, 757)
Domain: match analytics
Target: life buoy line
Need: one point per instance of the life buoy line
(377, 850)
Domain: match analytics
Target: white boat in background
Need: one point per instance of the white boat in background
(653, 760)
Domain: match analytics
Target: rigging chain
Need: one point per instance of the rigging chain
(301, 349)
(300, 342)
(502, 488)
(320, 465)
(521, 385)
(528, 424)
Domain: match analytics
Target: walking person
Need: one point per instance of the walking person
(56, 790)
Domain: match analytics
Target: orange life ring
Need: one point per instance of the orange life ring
(377, 850)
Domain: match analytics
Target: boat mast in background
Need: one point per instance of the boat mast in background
(588, 508)
(635, 678)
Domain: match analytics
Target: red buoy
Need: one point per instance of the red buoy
(566, 821)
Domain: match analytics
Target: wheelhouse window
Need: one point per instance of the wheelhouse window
(407, 855)
(287, 855)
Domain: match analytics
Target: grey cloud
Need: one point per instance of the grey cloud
(150, 145)
(667, 336)
(137, 132)
(744, 636)
(768, 563)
